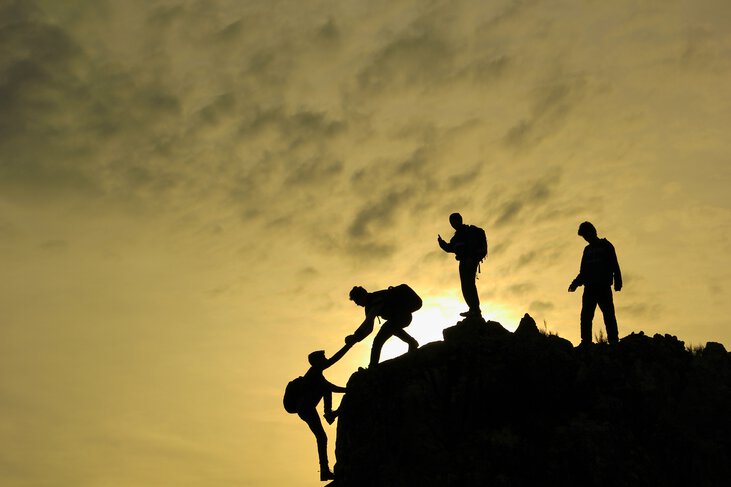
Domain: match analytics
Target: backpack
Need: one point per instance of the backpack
(477, 242)
(400, 299)
(293, 394)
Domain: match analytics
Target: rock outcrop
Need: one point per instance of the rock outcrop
(486, 407)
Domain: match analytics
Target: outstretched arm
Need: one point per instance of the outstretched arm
(338, 355)
(366, 327)
(335, 388)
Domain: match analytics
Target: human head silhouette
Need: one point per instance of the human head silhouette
(358, 295)
(455, 219)
(317, 358)
(587, 231)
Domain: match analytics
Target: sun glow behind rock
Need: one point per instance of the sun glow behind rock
(440, 312)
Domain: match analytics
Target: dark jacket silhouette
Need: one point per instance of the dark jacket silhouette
(599, 270)
(462, 245)
(397, 318)
(317, 388)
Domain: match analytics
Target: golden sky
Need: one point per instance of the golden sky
(190, 188)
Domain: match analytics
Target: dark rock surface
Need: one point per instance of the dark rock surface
(487, 407)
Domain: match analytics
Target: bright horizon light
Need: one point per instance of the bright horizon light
(440, 312)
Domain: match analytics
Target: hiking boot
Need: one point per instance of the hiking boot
(330, 416)
(471, 312)
(326, 474)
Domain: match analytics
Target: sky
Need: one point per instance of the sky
(190, 188)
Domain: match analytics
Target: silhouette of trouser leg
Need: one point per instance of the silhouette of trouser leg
(310, 416)
(467, 276)
(602, 296)
(393, 327)
(588, 306)
(606, 304)
(327, 399)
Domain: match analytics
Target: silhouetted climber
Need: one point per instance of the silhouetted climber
(599, 268)
(469, 244)
(395, 305)
(304, 393)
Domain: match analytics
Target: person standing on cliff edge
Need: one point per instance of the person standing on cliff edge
(599, 269)
(469, 244)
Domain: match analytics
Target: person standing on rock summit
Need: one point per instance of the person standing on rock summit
(599, 269)
(469, 244)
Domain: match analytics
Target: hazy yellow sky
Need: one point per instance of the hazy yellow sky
(190, 188)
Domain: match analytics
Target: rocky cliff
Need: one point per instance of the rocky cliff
(486, 407)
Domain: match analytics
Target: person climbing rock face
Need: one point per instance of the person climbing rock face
(395, 305)
(304, 393)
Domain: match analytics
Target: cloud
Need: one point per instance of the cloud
(537, 194)
(56, 245)
(716, 289)
(308, 272)
(521, 289)
(370, 249)
(508, 212)
(640, 310)
(286, 161)
(541, 306)
(222, 109)
(379, 213)
(162, 17)
(38, 81)
(490, 68)
(401, 192)
(552, 103)
(703, 50)
(460, 180)
(417, 56)
(314, 172)
(65, 115)
(510, 12)
(526, 259)
(93, 121)
(297, 127)
(329, 32)
(8, 229)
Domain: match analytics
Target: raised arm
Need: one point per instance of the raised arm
(446, 246)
